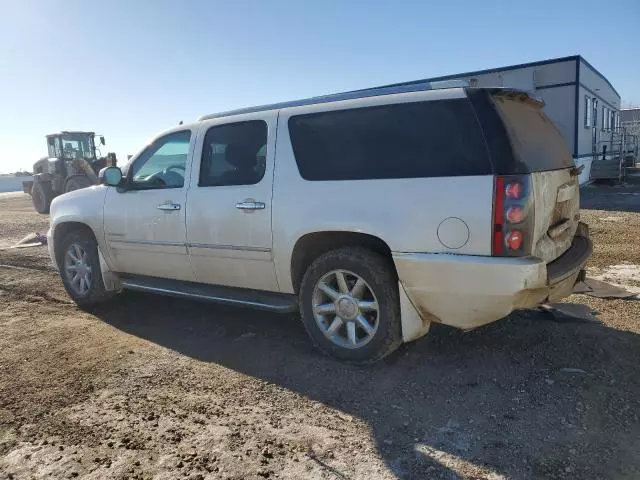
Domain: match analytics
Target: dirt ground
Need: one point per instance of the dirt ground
(154, 387)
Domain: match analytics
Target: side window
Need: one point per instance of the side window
(163, 163)
(612, 121)
(439, 138)
(52, 148)
(234, 154)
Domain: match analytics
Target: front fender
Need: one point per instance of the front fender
(85, 206)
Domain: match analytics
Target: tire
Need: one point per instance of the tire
(381, 289)
(41, 196)
(76, 182)
(95, 292)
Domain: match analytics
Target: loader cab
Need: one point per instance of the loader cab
(72, 146)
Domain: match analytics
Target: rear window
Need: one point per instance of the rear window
(234, 154)
(536, 141)
(408, 140)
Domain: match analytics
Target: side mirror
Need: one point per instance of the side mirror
(111, 176)
(102, 140)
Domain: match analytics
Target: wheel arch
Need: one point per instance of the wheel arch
(62, 229)
(103, 284)
(313, 244)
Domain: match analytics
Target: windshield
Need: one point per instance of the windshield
(78, 145)
(535, 139)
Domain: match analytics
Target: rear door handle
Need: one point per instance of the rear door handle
(250, 205)
(169, 206)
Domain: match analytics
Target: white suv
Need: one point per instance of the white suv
(373, 213)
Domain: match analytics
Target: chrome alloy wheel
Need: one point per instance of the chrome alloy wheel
(345, 309)
(77, 269)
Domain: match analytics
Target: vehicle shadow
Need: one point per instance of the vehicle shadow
(620, 198)
(526, 397)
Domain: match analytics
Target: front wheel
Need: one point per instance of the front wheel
(79, 266)
(350, 306)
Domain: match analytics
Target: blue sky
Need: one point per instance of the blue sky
(128, 69)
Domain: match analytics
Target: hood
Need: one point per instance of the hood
(80, 203)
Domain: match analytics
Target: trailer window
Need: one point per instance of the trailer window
(588, 108)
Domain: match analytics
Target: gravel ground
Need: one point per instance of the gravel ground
(18, 218)
(154, 387)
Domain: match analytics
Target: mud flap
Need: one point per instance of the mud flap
(110, 279)
(562, 289)
(413, 326)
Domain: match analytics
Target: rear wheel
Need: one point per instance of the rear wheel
(350, 305)
(79, 266)
(41, 196)
(76, 182)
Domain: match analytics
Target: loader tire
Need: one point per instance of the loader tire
(41, 196)
(76, 182)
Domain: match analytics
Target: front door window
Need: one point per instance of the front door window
(162, 164)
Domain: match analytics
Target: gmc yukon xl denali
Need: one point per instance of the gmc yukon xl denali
(372, 213)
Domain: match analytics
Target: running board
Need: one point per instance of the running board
(271, 301)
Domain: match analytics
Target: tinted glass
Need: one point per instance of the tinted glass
(408, 140)
(163, 163)
(234, 154)
(536, 141)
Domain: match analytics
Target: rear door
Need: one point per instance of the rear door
(229, 203)
(541, 151)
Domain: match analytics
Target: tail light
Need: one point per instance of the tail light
(513, 216)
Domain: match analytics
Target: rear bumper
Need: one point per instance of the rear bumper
(469, 291)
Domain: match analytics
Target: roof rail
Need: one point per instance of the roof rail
(336, 97)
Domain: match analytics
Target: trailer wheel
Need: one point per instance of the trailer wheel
(76, 182)
(41, 196)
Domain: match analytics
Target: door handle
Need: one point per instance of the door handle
(250, 205)
(169, 206)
